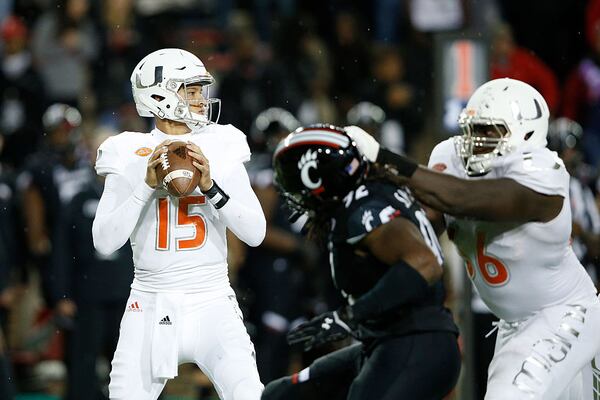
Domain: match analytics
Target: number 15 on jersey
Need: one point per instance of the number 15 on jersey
(186, 215)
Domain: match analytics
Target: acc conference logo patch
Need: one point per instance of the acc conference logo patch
(143, 151)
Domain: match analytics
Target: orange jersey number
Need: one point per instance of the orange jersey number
(184, 218)
(492, 270)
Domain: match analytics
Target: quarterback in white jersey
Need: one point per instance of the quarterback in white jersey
(505, 199)
(182, 307)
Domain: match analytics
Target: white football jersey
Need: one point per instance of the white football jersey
(519, 269)
(178, 243)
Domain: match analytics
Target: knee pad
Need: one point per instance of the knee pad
(248, 389)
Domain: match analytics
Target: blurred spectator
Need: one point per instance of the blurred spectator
(598, 192)
(508, 60)
(7, 265)
(5, 8)
(266, 132)
(7, 390)
(22, 100)
(265, 17)
(581, 99)
(400, 98)
(274, 272)
(372, 119)
(88, 289)
(51, 177)
(314, 71)
(252, 84)
(350, 55)
(119, 54)
(436, 15)
(158, 22)
(564, 137)
(240, 88)
(592, 19)
(482, 15)
(559, 44)
(388, 14)
(64, 44)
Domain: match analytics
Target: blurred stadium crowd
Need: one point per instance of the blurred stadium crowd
(64, 87)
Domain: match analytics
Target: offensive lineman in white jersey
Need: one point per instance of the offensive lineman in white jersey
(505, 197)
(181, 308)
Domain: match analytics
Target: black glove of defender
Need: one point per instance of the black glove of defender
(328, 327)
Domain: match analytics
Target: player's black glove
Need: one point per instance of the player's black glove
(328, 327)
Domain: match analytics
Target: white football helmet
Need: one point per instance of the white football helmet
(501, 116)
(157, 79)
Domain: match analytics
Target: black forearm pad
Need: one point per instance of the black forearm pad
(217, 196)
(400, 285)
(404, 165)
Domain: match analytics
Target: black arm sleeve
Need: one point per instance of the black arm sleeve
(405, 166)
(400, 285)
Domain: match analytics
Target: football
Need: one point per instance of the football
(176, 172)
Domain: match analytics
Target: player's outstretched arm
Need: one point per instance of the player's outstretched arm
(413, 268)
(491, 199)
(502, 200)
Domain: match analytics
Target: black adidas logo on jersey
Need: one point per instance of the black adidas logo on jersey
(165, 321)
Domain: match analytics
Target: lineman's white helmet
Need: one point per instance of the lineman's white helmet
(501, 116)
(159, 76)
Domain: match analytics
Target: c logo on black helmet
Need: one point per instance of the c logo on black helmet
(308, 161)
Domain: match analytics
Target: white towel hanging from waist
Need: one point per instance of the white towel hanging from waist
(164, 339)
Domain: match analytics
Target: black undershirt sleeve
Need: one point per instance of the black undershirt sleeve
(400, 285)
(405, 166)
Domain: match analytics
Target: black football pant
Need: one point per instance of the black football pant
(423, 366)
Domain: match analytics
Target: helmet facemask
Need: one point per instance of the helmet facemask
(194, 105)
(300, 203)
(482, 141)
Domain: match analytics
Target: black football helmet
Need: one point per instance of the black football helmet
(316, 166)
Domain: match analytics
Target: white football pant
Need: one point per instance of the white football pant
(545, 356)
(210, 334)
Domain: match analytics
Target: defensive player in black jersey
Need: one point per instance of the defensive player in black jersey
(386, 262)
